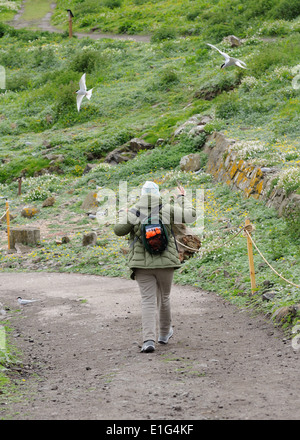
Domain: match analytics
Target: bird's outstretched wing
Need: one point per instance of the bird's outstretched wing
(227, 57)
(79, 99)
(82, 83)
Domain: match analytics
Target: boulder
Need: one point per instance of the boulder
(127, 151)
(193, 121)
(54, 157)
(29, 211)
(233, 40)
(89, 167)
(22, 248)
(268, 296)
(191, 162)
(282, 314)
(89, 239)
(90, 201)
(194, 125)
(195, 131)
(137, 145)
(48, 202)
(64, 240)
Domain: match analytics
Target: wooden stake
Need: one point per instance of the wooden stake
(70, 22)
(251, 261)
(70, 27)
(8, 223)
(20, 186)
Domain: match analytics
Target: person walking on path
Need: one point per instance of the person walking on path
(154, 272)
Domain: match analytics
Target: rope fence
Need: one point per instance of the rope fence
(7, 214)
(4, 214)
(247, 229)
(254, 244)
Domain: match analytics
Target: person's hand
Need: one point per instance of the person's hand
(181, 191)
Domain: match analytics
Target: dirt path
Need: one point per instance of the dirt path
(82, 360)
(45, 25)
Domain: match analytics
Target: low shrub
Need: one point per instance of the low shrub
(41, 187)
(289, 179)
(228, 105)
(286, 9)
(65, 97)
(18, 81)
(85, 60)
(112, 4)
(164, 33)
(168, 77)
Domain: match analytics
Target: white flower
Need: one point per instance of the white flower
(100, 166)
(41, 187)
(289, 179)
(248, 83)
(8, 5)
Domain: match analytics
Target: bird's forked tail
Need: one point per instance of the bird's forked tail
(89, 94)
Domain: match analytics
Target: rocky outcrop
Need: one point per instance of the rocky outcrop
(232, 40)
(191, 162)
(127, 151)
(193, 126)
(224, 165)
(254, 181)
(90, 201)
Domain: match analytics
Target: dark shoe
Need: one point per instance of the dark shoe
(165, 339)
(148, 346)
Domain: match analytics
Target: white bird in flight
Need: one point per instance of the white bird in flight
(82, 92)
(229, 61)
(24, 302)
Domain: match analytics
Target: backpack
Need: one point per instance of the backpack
(154, 235)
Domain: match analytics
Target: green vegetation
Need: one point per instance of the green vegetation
(8, 9)
(168, 18)
(36, 9)
(147, 88)
(9, 363)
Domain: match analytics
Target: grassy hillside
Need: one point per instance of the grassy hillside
(141, 90)
(147, 90)
(214, 19)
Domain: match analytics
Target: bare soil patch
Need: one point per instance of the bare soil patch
(81, 341)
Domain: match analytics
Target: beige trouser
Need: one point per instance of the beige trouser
(155, 287)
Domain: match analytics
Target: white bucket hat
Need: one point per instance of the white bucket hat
(150, 188)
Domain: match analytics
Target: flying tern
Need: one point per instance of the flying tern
(229, 61)
(82, 92)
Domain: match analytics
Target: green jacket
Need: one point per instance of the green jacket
(138, 256)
